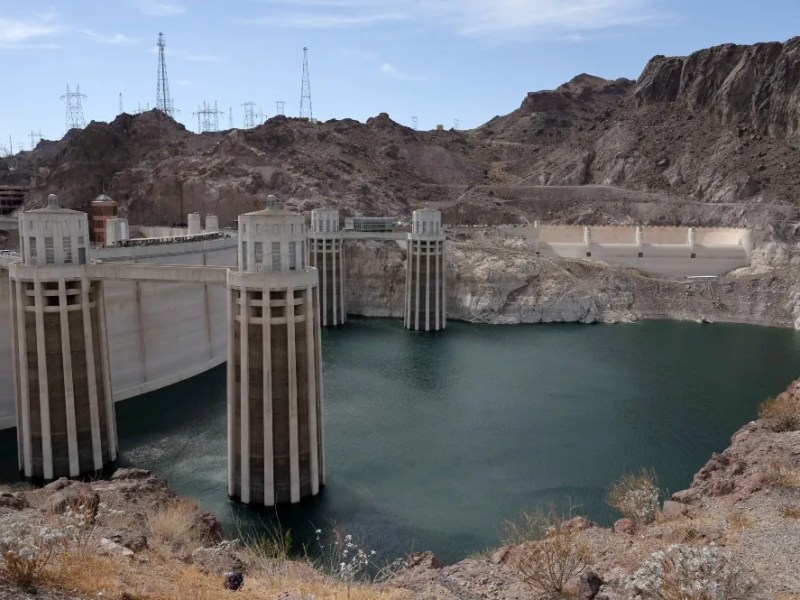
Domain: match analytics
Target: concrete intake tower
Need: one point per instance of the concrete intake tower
(65, 414)
(326, 253)
(425, 275)
(275, 440)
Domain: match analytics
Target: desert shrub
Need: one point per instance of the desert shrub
(739, 521)
(781, 413)
(790, 511)
(26, 550)
(174, 525)
(690, 573)
(636, 496)
(551, 555)
(79, 526)
(782, 475)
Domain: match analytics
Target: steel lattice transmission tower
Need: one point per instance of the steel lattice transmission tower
(74, 106)
(305, 91)
(208, 117)
(36, 137)
(163, 99)
(280, 108)
(414, 122)
(121, 110)
(249, 120)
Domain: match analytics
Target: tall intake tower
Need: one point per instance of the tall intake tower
(65, 413)
(425, 275)
(275, 440)
(326, 253)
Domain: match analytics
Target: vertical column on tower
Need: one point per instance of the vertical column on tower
(63, 390)
(275, 453)
(425, 307)
(326, 254)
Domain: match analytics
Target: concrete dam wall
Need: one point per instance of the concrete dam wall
(158, 333)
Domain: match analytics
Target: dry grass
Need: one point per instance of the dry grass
(781, 475)
(173, 526)
(740, 521)
(155, 579)
(549, 564)
(781, 413)
(636, 496)
(790, 511)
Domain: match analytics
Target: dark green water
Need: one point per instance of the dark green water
(433, 441)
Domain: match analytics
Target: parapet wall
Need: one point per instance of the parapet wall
(675, 251)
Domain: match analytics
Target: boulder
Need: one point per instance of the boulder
(672, 509)
(424, 560)
(13, 501)
(107, 547)
(625, 526)
(219, 559)
(131, 474)
(590, 586)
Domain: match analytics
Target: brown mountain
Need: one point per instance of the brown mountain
(711, 138)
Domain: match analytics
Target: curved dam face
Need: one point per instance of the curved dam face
(158, 333)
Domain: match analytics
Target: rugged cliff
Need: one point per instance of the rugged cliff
(505, 283)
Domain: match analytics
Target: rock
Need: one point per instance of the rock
(500, 555)
(73, 493)
(673, 509)
(590, 586)
(222, 558)
(135, 542)
(577, 524)
(14, 501)
(424, 560)
(128, 473)
(720, 487)
(625, 526)
(685, 496)
(233, 581)
(107, 547)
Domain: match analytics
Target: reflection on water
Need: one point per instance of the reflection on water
(433, 441)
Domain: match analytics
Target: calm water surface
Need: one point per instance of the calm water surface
(434, 440)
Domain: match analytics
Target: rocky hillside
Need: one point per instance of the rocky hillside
(710, 139)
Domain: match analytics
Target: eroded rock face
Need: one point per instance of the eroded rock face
(758, 85)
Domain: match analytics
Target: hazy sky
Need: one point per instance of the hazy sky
(438, 59)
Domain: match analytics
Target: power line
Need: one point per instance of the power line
(74, 108)
(305, 91)
(163, 99)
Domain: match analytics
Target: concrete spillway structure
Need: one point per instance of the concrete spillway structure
(326, 253)
(64, 407)
(425, 273)
(275, 441)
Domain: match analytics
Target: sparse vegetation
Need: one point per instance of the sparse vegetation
(739, 521)
(790, 511)
(550, 555)
(636, 496)
(173, 525)
(783, 475)
(26, 549)
(690, 573)
(781, 413)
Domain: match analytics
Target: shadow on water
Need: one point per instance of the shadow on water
(433, 441)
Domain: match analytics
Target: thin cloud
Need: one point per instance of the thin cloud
(113, 39)
(505, 19)
(390, 70)
(24, 34)
(158, 8)
(315, 20)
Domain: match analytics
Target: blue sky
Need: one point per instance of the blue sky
(440, 60)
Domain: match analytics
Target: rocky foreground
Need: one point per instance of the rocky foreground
(735, 532)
